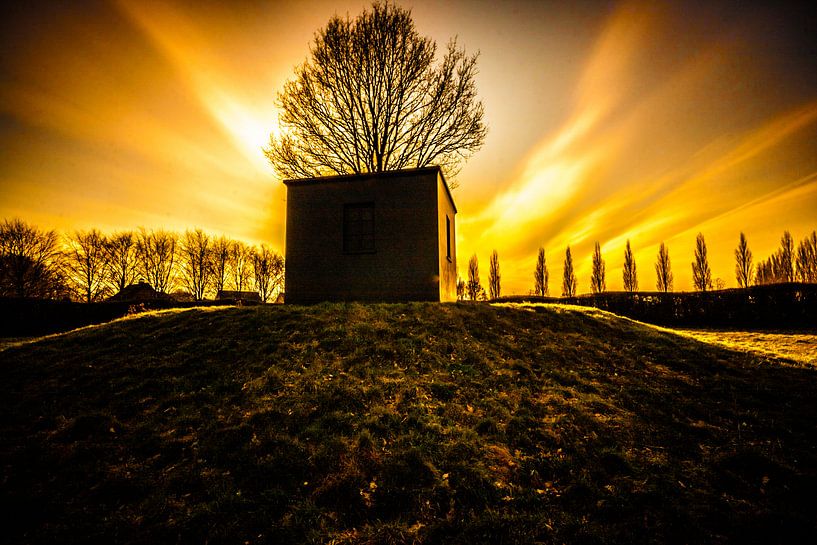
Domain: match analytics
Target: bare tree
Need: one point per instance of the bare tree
(769, 271)
(87, 264)
(597, 277)
(370, 99)
(220, 256)
(268, 272)
(540, 275)
(765, 273)
(743, 263)
(780, 266)
(120, 253)
(240, 265)
(663, 270)
(30, 261)
(569, 282)
(494, 276)
(473, 287)
(786, 258)
(720, 283)
(630, 275)
(701, 274)
(807, 259)
(156, 251)
(195, 262)
(279, 274)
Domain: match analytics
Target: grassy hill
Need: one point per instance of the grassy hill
(419, 423)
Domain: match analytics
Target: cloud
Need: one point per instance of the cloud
(649, 155)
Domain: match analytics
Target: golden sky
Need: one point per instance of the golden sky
(607, 121)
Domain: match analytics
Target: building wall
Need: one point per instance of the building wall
(448, 263)
(406, 262)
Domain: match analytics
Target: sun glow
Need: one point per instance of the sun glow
(248, 125)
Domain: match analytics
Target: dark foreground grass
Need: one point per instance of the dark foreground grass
(401, 424)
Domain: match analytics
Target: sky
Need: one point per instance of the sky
(608, 121)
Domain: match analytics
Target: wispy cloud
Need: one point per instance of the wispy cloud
(641, 159)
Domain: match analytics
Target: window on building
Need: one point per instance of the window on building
(448, 237)
(358, 228)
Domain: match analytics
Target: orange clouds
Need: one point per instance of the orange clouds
(650, 123)
(642, 158)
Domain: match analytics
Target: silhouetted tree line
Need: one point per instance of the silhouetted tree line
(92, 266)
(788, 264)
(472, 289)
(753, 304)
(784, 266)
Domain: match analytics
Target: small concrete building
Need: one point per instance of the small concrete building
(386, 236)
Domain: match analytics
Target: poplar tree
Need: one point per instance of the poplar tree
(473, 287)
(630, 277)
(743, 263)
(807, 259)
(663, 270)
(494, 276)
(569, 282)
(540, 275)
(786, 258)
(701, 273)
(598, 284)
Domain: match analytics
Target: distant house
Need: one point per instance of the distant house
(371, 237)
(238, 296)
(140, 292)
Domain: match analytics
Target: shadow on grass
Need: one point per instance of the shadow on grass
(402, 424)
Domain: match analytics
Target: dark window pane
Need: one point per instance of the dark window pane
(358, 227)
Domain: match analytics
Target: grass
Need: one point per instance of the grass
(797, 347)
(416, 423)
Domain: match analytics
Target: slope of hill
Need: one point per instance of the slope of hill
(418, 423)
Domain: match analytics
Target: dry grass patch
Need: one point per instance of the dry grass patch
(797, 347)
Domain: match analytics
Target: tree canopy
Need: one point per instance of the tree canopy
(371, 98)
